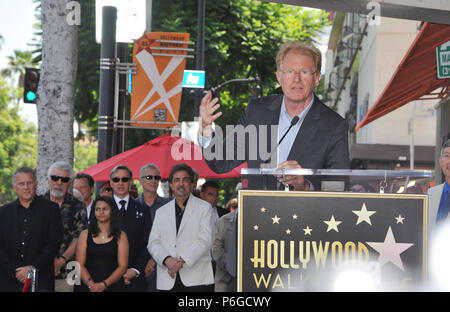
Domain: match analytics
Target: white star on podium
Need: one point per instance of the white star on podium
(390, 250)
(332, 224)
(276, 220)
(307, 230)
(363, 214)
(399, 219)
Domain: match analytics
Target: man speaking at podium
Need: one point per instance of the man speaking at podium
(309, 134)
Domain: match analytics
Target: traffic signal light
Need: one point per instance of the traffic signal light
(30, 85)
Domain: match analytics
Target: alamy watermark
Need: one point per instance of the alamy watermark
(251, 142)
(374, 16)
(73, 17)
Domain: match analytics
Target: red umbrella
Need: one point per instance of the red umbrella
(164, 151)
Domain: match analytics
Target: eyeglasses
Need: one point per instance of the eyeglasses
(151, 177)
(233, 206)
(117, 180)
(63, 179)
(304, 73)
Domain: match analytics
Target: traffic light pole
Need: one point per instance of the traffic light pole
(200, 51)
(107, 83)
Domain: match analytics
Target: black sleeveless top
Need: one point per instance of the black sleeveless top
(101, 262)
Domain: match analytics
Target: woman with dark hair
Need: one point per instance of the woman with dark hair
(102, 250)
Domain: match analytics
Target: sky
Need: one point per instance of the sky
(16, 27)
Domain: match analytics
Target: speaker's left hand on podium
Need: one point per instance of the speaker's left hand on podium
(296, 181)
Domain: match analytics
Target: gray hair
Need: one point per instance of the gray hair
(24, 169)
(444, 146)
(148, 166)
(60, 165)
(121, 167)
(305, 48)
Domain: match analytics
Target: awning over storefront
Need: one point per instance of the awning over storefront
(416, 75)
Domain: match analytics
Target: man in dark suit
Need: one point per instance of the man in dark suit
(30, 235)
(317, 140)
(135, 222)
(84, 183)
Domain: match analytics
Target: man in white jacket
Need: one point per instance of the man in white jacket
(181, 237)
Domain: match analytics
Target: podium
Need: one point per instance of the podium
(314, 240)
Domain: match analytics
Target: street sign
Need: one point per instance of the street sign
(302, 241)
(194, 79)
(443, 60)
(160, 59)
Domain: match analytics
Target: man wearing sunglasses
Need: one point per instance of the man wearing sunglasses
(135, 222)
(149, 177)
(74, 217)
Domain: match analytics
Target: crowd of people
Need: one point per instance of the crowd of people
(121, 241)
(124, 241)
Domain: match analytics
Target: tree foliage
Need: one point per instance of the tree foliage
(85, 155)
(18, 141)
(242, 38)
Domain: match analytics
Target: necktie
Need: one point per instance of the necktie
(122, 207)
(444, 208)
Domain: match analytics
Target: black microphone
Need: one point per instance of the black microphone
(293, 123)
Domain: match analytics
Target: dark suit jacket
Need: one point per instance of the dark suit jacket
(137, 227)
(159, 202)
(321, 143)
(41, 245)
(222, 211)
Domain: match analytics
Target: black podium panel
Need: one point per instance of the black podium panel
(304, 241)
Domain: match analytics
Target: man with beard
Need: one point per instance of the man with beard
(181, 237)
(73, 214)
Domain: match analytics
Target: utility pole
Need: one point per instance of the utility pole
(107, 83)
(148, 15)
(200, 65)
(123, 102)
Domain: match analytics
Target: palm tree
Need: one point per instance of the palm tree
(55, 100)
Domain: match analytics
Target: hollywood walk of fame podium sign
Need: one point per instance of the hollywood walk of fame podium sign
(301, 241)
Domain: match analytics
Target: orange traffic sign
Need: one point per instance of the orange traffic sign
(156, 89)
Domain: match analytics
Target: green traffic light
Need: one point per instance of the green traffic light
(31, 96)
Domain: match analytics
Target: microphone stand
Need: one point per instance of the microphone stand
(293, 123)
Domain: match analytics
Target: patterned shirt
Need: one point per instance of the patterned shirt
(74, 218)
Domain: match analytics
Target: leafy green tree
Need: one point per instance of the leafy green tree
(18, 142)
(242, 38)
(56, 91)
(88, 71)
(85, 155)
(16, 66)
